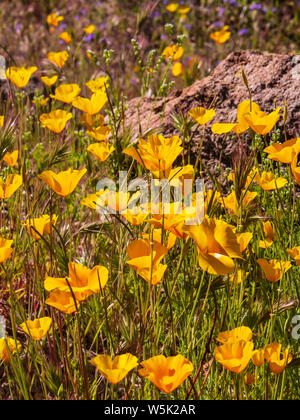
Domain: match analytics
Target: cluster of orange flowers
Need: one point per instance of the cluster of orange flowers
(237, 350)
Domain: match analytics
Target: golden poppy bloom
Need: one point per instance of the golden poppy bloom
(20, 76)
(53, 19)
(173, 51)
(244, 239)
(283, 152)
(38, 328)
(157, 154)
(56, 120)
(1, 121)
(99, 133)
(201, 115)
(217, 245)
(269, 235)
(92, 199)
(267, 181)
(92, 121)
(83, 281)
(220, 37)
(183, 10)
(237, 334)
(98, 84)
(167, 373)
(66, 37)
(135, 216)
(63, 301)
(258, 357)
(5, 249)
(146, 265)
(235, 356)
(58, 58)
(11, 158)
(114, 370)
(63, 183)
(272, 356)
(49, 81)
(295, 169)
(177, 69)
(10, 343)
(156, 234)
(13, 182)
(169, 219)
(294, 253)
(40, 225)
(172, 7)
(230, 202)
(274, 269)
(66, 93)
(101, 150)
(91, 106)
(242, 125)
(89, 29)
(262, 123)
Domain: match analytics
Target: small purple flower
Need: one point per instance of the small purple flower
(18, 28)
(218, 24)
(83, 11)
(221, 11)
(62, 27)
(89, 38)
(258, 6)
(155, 14)
(243, 31)
(231, 2)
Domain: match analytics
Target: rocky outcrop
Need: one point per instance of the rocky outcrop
(272, 78)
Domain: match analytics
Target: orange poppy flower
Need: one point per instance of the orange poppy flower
(63, 183)
(20, 76)
(56, 120)
(91, 106)
(101, 150)
(220, 37)
(5, 249)
(274, 269)
(272, 355)
(37, 328)
(114, 370)
(12, 183)
(167, 373)
(8, 346)
(58, 58)
(235, 356)
(11, 158)
(66, 93)
(217, 245)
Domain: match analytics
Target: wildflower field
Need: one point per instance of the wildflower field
(130, 267)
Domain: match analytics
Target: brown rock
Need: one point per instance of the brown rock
(272, 78)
